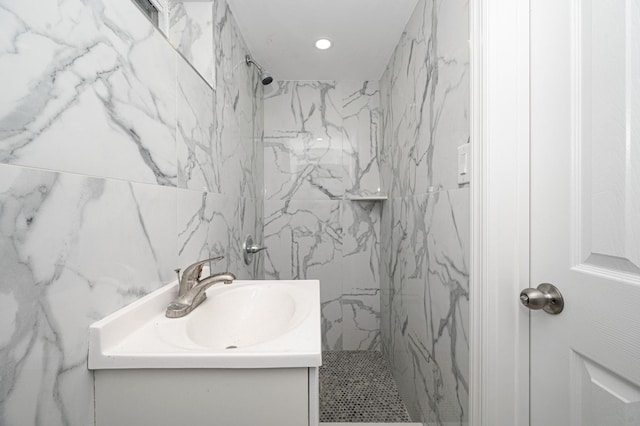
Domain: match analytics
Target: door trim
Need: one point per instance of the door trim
(500, 129)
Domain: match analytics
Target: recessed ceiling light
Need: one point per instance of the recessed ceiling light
(323, 44)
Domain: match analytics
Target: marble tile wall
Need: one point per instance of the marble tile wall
(424, 268)
(113, 172)
(321, 148)
(191, 32)
(239, 112)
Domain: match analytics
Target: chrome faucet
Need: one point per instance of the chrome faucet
(192, 290)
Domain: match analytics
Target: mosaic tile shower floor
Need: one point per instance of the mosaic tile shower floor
(357, 386)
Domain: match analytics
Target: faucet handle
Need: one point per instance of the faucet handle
(255, 249)
(192, 272)
(249, 249)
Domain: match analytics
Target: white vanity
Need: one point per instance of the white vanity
(248, 355)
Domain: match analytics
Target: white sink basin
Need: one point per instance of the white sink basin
(246, 324)
(245, 315)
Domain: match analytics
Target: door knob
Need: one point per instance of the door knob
(546, 297)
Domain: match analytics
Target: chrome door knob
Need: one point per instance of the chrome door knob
(546, 297)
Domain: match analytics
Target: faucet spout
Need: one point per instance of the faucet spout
(196, 295)
(201, 286)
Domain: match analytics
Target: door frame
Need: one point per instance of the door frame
(500, 176)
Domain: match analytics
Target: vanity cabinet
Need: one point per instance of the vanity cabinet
(249, 355)
(207, 397)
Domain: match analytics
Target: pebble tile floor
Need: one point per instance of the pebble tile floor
(357, 386)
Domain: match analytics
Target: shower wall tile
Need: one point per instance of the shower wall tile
(360, 277)
(308, 238)
(223, 151)
(191, 32)
(238, 94)
(424, 278)
(322, 139)
(75, 249)
(303, 141)
(336, 242)
(195, 131)
(211, 225)
(321, 146)
(361, 136)
(207, 223)
(92, 91)
(425, 321)
(258, 167)
(304, 241)
(425, 91)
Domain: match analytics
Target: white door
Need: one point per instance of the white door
(585, 211)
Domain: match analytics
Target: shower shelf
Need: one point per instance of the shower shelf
(377, 197)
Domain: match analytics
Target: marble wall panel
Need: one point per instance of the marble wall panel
(74, 249)
(92, 91)
(238, 95)
(360, 301)
(303, 141)
(207, 225)
(425, 93)
(191, 32)
(425, 224)
(425, 320)
(211, 225)
(321, 146)
(335, 242)
(194, 136)
(221, 156)
(322, 139)
(304, 241)
(361, 136)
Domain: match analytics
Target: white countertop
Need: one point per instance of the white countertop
(140, 336)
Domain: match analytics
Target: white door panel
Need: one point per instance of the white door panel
(602, 396)
(585, 210)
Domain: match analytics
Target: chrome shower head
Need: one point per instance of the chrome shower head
(265, 77)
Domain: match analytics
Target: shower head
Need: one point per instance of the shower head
(265, 77)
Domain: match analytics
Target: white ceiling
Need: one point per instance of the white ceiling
(281, 35)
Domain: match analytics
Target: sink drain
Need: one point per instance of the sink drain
(231, 347)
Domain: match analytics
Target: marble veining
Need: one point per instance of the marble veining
(426, 303)
(58, 280)
(361, 137)
(92, 85)
(303, 141)
(237, 122)
(305, 242)
(107, 135)
(211, 225)
(360, 274)
(424, 226)
(426, 100)
(321, 146)
(113, 172)
(195, 131)
(191, 32)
